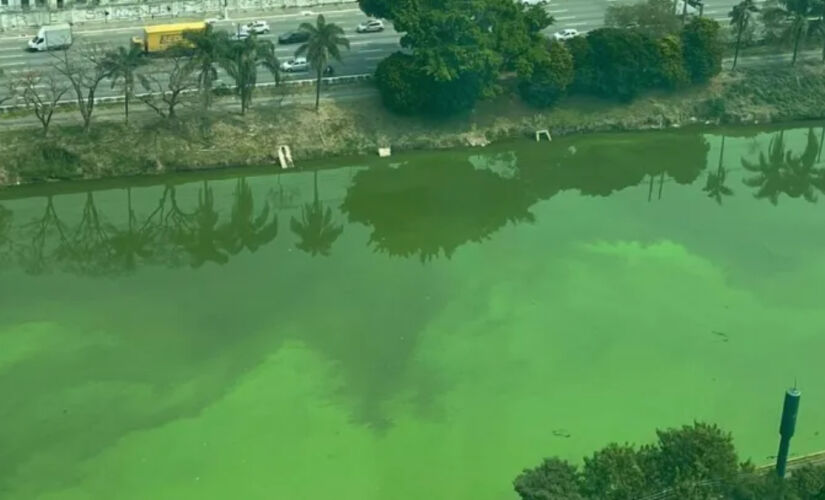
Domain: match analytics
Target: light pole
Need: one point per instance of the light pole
(790, 409)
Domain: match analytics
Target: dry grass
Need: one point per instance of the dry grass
(224, 138)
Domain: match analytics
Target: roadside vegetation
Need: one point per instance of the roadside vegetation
(643, 46)
(694, 462)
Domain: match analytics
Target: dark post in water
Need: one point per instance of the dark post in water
(786, 429)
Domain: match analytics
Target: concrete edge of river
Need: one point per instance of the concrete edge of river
(353, 123)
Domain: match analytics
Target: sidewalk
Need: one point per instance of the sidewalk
(235, 15)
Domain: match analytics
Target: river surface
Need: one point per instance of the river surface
(418, 327)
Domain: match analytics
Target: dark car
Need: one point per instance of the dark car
(294, 37)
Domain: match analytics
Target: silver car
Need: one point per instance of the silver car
(370, 26)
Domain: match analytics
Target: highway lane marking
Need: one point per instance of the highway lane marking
(564, 18)
(15, 56)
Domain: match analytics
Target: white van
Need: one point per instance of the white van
(52, 37)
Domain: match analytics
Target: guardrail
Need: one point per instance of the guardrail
(326, 81)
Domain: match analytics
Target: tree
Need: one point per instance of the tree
(702, 49)
(715, 185)
(83, 69)
(41, 94)
(584, 72)
(323, 44)
(545, 76)
(456, 54)
(780, 171)
(740, 18)
(401, 84)
(655, 18)
(316, 230)
(10, 86)
(381, 8)
(695, 461)
(240, 59)
(554, 479)
(245, 229)
(207, 47)
(120, 66)
(616, 472)
(164, 96)
(791, 18)
(623, 62)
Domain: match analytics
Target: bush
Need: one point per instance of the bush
(583, 72)
(702, 49)
(545, 79)
(401, 84)
(554, 479)
(671, 64)
(623, 62)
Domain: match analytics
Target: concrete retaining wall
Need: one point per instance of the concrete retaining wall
(14, 17)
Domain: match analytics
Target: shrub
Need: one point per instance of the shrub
(400, 83)
(702, 49)
(624, 62)
(554, 479)
(671, 64)
(547, 77)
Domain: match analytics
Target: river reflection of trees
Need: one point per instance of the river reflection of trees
(422, 209)
(169, 235)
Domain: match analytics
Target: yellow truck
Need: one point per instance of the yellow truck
(161, 37)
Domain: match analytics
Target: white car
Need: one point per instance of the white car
(370, 26)
(295, 64)
(535, 2)
(257, 27)
(566, 34)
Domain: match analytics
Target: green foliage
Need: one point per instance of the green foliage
(702, 49)
(789, 21)
(381, 8)
(692, 463)
(546, 74)
(808, 482)
(655, 18)
(554, 479)
(671, 64)
(120, 65)
(241, 58)
(616, 473)
(583, 70)
(623, 62)
(692, 455)
(401, 84)
(46, 161)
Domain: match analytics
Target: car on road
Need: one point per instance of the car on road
(293, 37)
(370, 26)
(566, 34)
(241, 35)
(295, 64)
(535, 2)
(257, 27)
(211, 21)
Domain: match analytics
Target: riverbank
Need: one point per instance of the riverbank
(359, 126)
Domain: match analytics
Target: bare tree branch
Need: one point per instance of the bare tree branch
(10, 86)
(165, 95)
(83, 69)
(42, 97)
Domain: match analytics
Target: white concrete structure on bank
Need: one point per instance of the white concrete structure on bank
(21, 13)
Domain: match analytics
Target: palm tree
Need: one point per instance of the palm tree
(797, 15)
(208, 46)
(740, 18)
(244, 229)
(715, 186)
(202, 240)
(323, 43)
(240, 59)
(121, 65)
(782, 172)
(316, 229)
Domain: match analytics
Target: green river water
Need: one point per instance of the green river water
(419, 327)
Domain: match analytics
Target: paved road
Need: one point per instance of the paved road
(367, 49)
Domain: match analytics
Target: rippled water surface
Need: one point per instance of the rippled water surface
(417, 328)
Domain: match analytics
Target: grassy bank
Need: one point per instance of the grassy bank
(224, 138)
